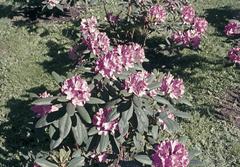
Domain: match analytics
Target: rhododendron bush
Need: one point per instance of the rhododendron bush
(113, 108)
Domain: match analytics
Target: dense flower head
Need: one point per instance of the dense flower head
(188, 14)
(169, 115)
(232, 28)
(187, 38)
(170, 153)
(131, 54)
(42, 110)
(109, 64)
(102, 157)
(234, 55)
(77, 90)
(156, 14)
(112, 19)
(172, 87)
(200, 24)
(96, 41)
(88, 26)
(53, 3)
(137, 83)
(102, 122)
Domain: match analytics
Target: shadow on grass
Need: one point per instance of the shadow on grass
(219, 17)
(19, 132)
(60, 61)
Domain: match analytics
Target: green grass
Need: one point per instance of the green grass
(28, 54)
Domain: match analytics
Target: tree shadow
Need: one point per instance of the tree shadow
(219, 17)
(60, 61)
(19, 132)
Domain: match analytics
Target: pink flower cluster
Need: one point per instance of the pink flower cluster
(99, 157)
(42, 110)
(172, 87)
(112, 19)
(187, 38)
(131, 54)
(156, 14)
(188, 14)
(232, 28)
(136, 83)
(102, 122)
(120, 58)
(169, 115)
(170, 153)
(234, 55)
(191, 37)
(96, 41)
(109, 64)
(53, 3)
(77, 90)
(200, 25)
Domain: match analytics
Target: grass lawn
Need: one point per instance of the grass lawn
(30, 52)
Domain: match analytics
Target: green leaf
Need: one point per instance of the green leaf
(104, 142)
(62, 99)
(185, 101)
(33, 95)
(92, 131)
(70, 109)
(182, 114)
(79, 132)
(55, 143)
(171, 125)
(144, 159)
(162, 100)
(44, 101)
(42, 122)
(154, 85)
(84, 114)
(57, 77)
(126, 115)
(65, 124)
(52, 130)
(44, 163)
(155, 132)
(113, 102)
(94, 100)
(123, 127)
(137, 101)
(60, 7)
(76, 162)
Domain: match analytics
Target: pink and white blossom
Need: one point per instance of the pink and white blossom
(187, 38)
(156, 14)
(102, 157)
(170, 153)
(188, 14)
(172, 87)
(232, 28)
(53, 3)
(42, 110)
(102, 122)
(76, 89)
(234, 55)
(109, 64)
(137, 83)
(131, 54)
(200, 24)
